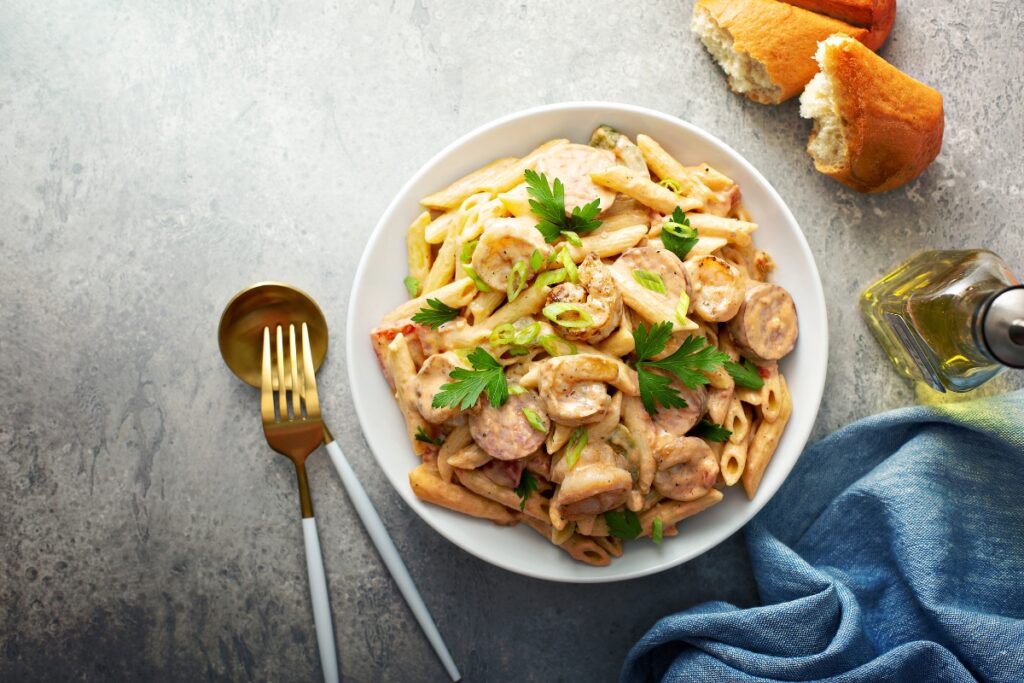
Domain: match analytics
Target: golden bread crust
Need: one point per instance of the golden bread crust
(892, 123)
(782, 37)
(878, 16)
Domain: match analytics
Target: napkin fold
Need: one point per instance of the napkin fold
(893, 552)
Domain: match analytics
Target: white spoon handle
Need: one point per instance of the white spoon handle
(321, 604)
(388, 553)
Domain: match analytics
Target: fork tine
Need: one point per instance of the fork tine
(266, 385)
(296, 391)
(282, 399)
(309, 377)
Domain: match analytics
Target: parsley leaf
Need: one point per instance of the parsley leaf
(677, 235)
(709, 431)
(686, 363)
(651, 340)
(624, 524)
(527, 483)
(655, 388)
(689, 360)
(487, 374)
(744, 375)
(436, 313)
(548, 204)
(426, 438)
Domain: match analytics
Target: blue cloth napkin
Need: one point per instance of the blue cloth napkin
(894, 552)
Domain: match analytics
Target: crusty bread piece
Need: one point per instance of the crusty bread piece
(877, 16)
(765, 46)
(875, 128)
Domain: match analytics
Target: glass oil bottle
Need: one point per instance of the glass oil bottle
(952, 319)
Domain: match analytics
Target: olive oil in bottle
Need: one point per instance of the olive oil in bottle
(952, 319)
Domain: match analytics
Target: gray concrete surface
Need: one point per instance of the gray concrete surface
(156, 156)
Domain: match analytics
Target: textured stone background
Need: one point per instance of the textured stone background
(155, 156)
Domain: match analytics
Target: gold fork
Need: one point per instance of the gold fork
(296, 434)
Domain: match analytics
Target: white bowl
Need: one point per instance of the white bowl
(378, 288)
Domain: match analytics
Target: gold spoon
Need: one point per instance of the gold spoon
(241, 336)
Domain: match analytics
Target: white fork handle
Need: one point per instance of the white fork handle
(388, 553)
(321, 605)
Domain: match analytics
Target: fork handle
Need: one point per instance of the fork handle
(386, 547)
(321, 604)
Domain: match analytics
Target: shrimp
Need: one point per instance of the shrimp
(687, 468)
(597, 293)
(678, 421)
(718, 288)
(505, 241)
(574, 388)
(599, 481)
(428, 381)
(572, 165)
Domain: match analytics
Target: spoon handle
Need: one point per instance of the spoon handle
(386, 547)
(321, 604)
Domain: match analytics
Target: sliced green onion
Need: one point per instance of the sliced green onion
(682, 308)
(412, 285)
(534, 419)
(568, 264)
(572, 238)
(671, 184)
(577, 442)
(517, 351)
(502, 335)
(467, 251)
(550, 277)
(651, 281)
(516, 281)
(515, 390)
(526, 335)
(536, 260)
(657, 530)
(480, 284)
(556, 346)
(553, 312)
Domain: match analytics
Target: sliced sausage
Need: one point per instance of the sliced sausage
(505, 433)
(573, 164)
(660, 261)
(765, 328)
(504, 472)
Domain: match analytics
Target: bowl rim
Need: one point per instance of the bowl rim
(351, 341)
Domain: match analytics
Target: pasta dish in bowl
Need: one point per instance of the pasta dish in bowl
(593, 344)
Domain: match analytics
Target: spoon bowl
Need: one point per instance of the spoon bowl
(267, 304)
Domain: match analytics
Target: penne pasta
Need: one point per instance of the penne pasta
(733, 458)
(666, 167)
(443, 269)
(536, 506)
(528, 303)
(400, 367)
(581, 548)
(483, 305)
(647, 192)
(417, 249)
(734, 231)
(428, 486)
(456, 294)
(651, 306)
(481, 179)
(671, 512)
(608, 244)
(438, 229)
(764, 442)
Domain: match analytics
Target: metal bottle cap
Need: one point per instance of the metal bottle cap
(1003, 327)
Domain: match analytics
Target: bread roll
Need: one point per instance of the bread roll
(875, 128)
(877, 16)
(765, 46)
